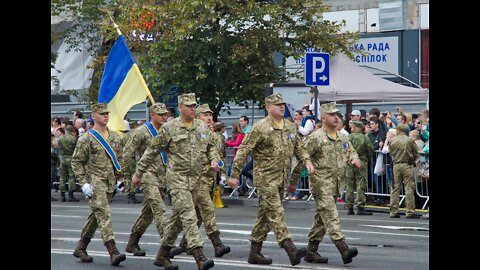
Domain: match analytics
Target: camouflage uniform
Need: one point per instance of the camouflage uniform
(188, 149)
(272, 149)
(67, 146)
(357, 177)
(129, 165)
(330, 158)
(404, 152)
(91, 164)
(153, 180)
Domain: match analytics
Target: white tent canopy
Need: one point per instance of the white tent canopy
(351, 83)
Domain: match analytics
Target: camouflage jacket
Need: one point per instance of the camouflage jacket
(67, 145)
(92, 164)
(362, 145)
(136, 145)
(272, 149)
(403, 149)
(330, 158)
(187, 150)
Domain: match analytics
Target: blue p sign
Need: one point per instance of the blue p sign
(317, 69)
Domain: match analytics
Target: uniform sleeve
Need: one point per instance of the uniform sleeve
(212, 150)
(153, 150)
(129, 151)
(352, 153)
(247, 146)
(369, 148)
(80, 160)
(300, 152)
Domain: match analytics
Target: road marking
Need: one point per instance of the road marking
(189, 259)
(67, 216)
(398, 227)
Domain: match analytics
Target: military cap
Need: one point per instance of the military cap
(330, 107)
(274, 99)
(203, 108)
(403, 128)
(357, 124)
(187, 99)
(100, 108)
(220, 125)
(158, 108)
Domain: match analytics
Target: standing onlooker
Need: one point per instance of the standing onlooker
(237, 138)
(153, 181)
(404, 152)
(188, 146)
(272, 142)
(331, 152)
(67, 144)
(377, 137)
(95, 164)
(311, 104)
(356, 178)
(243, 121)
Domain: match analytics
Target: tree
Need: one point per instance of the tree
(222, 50)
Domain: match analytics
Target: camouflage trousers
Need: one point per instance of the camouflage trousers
(66, 173)
(270, 215)
(99, 216)
(153, 208)
(325, 219)
(403, 173)
(356, 179)
(205, 210)
(183, 218)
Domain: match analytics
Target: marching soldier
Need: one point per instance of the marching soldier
(330, 152)
(203, 203)
(153, 180)
(188, 146)
(272, 141)
(95, 164)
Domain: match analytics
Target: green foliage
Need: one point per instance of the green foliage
(222, 50)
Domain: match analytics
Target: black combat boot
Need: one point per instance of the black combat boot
(294, 254)
(346, 252)
(220, 249)
(362, 211)
(81, 250)
(163, 260)
(132, 199)
(182, 247)
(350, 211)
(133, 247)
(115, 256)
(255, 256)
(62, 194)
(202, 262)
(71, 198)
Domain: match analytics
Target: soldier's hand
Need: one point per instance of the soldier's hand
(291, 188)
(87, 189)
(310, 168)
(233, 182)
(136, 180)
(356, 163)
(215, 166)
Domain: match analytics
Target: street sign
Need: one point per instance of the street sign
(317, 69)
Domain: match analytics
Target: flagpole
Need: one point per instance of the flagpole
(120, 34)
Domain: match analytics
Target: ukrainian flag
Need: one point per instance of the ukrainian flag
(122, 84)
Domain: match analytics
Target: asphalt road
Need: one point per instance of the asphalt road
(382, 243)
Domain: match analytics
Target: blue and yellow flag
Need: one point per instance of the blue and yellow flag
(122, 84)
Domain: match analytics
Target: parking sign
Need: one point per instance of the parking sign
(317, 69)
